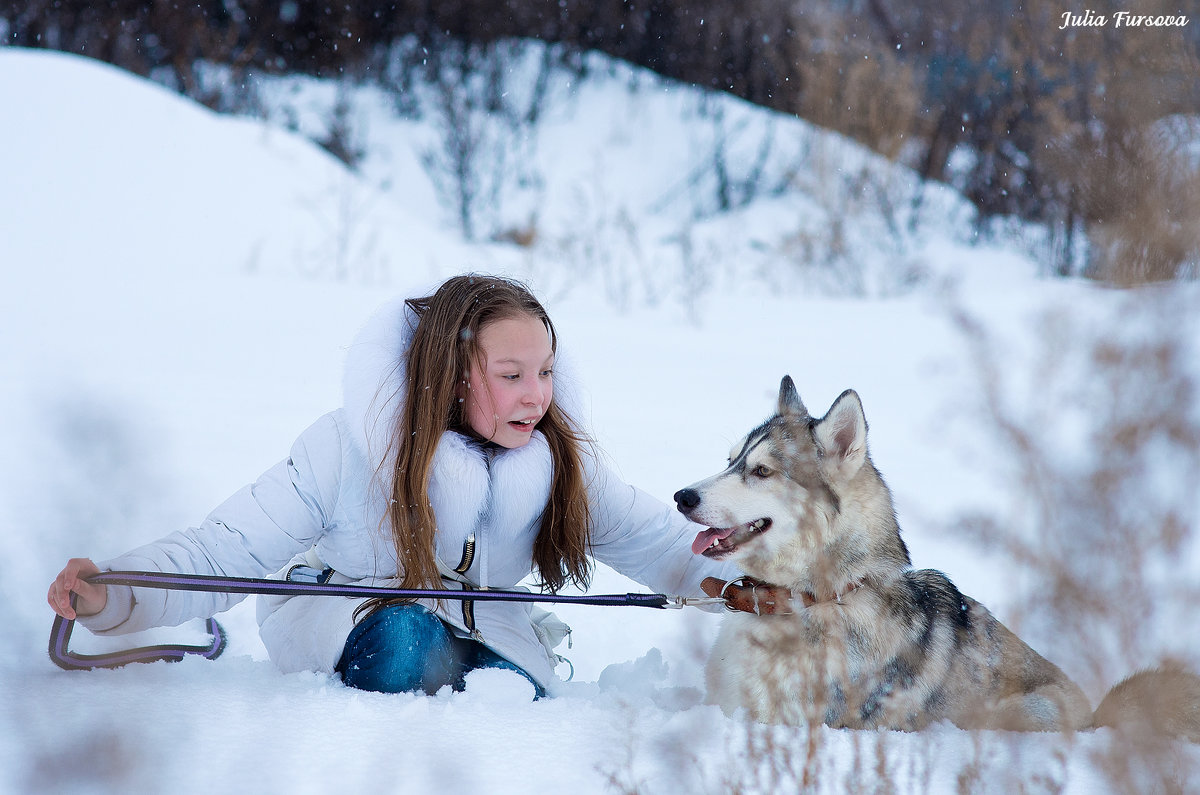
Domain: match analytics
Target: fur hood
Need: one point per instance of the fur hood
(374, 376)
(511, 485)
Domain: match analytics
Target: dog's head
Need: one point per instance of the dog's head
(777, 501)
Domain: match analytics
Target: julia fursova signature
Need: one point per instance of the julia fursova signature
(1120, 19)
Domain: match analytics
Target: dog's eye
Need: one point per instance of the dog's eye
(761, 471)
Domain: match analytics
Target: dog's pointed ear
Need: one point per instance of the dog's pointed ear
(789, 399)
(841, 434)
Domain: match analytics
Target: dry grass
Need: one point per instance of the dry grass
(1149, 186)
(1103, 455)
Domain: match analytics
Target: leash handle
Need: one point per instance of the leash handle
(60, 632)
(63, 657)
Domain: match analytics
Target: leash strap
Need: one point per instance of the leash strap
(60, 633)
(250, 585)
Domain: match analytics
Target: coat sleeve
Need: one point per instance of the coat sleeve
(253, 533)
(646, 540)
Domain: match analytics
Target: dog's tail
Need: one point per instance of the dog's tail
(1163, 700)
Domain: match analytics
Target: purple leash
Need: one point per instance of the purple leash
(60, 633)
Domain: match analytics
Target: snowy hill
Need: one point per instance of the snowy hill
(179, 288)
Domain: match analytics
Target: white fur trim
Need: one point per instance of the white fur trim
(373, 381)
(459, 484)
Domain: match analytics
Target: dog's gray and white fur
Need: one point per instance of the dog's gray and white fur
(879, 644)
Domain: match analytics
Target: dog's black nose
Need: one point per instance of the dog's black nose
(687, 499)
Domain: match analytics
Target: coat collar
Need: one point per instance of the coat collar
(472, 487)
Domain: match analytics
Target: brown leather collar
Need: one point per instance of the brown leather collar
(809, 598)
(749, 595)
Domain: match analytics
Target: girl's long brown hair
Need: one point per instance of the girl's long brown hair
(443, 347)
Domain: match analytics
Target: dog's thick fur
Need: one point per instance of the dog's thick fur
(879, 645)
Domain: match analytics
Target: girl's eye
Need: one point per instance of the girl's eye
(510, 377)
(547, 373)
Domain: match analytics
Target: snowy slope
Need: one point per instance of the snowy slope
(178, 291)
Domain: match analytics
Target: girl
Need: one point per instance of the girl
(456, 462)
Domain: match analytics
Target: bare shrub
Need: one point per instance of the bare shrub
(736, 162)
(860, 237)
(1144, 187)
(342, 138)
(605, 243)
(485, 112)
(344, 241)
(861, 90)
(1100, 443)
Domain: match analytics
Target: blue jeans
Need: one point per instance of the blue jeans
(404, 648)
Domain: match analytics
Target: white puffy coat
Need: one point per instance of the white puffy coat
(326, 500)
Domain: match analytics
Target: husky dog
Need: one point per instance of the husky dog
(870, 642)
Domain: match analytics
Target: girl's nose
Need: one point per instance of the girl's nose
(537, 394)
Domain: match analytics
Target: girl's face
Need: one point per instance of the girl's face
(507, 393)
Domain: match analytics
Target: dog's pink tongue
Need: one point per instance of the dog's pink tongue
(705, 538)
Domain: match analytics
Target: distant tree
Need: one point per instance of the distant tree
(989, 95)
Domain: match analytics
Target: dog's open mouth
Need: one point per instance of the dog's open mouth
(717, 542)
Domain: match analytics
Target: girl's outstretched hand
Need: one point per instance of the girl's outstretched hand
(90, 599)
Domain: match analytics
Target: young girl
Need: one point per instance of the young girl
(456, 462)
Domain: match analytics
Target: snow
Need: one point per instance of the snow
(179, 288)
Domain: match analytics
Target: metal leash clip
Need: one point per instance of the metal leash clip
(740, 582)
(678, 602)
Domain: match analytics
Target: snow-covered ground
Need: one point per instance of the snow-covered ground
(178, 290)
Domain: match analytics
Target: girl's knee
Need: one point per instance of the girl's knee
(399, 649)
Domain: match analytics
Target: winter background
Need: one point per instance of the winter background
(179, 288)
